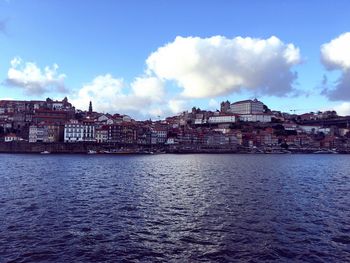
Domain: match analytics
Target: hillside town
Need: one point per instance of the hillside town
(247, 126)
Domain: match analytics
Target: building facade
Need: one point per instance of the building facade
(247, 107)
(38, 133)
(73, 131)
(101, 134)
(255, 117)
(222, 119)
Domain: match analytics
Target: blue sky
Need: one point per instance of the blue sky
(103, 46)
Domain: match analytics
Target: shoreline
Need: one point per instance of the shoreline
(120, 149)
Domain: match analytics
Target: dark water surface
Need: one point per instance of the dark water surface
(175, 208)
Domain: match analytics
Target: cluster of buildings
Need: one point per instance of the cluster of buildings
(245, 124)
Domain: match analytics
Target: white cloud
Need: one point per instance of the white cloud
(109, 94)
(343, 109)
(148, 87)
(201, 68)
(335, 55)
(177, 106)
(207, 67)
(32, 79)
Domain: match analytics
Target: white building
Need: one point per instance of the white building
(107, 119)
(57, 105)
(255, 117)
(247, 107)
(12, 137)
(161, 135)
(73, 131)
(38, 133)
(79, 132)
(171, 141)
(222, 119)
(88, 131)
(312, 129)
(199, 121)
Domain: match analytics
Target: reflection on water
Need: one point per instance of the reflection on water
(181, 208)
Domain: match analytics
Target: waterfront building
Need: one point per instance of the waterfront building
(54, 132)
(88, 130)
(216, 138)
(171, 141)
(101, 134)
(144, 134)
(247, 107)
(44, 132)
(38, 133)
(73, 131)
(79, 132)
(160, 133)
(124, 133)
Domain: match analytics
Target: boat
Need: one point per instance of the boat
(147, 152)
(45, 152)
(326, 151)
(91, 152)
(121, 151)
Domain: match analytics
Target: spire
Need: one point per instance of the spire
(90, 107)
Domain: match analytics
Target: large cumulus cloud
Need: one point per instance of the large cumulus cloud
(208, 67)
(335, 55)
(111, 94)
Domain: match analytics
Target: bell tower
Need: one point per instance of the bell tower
(90, 107)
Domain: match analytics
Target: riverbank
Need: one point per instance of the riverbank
(112, 148)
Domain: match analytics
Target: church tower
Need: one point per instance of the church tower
(90, 107)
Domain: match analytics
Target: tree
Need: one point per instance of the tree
(266, 109)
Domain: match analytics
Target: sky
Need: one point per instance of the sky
(156, 58)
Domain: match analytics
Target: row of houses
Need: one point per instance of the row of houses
(90, 131)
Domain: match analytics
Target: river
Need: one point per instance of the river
(174, 208)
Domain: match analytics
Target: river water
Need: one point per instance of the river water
(174, 208)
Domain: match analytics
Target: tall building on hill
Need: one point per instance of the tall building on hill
(247, 107)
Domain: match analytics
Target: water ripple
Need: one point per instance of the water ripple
(174, 208)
